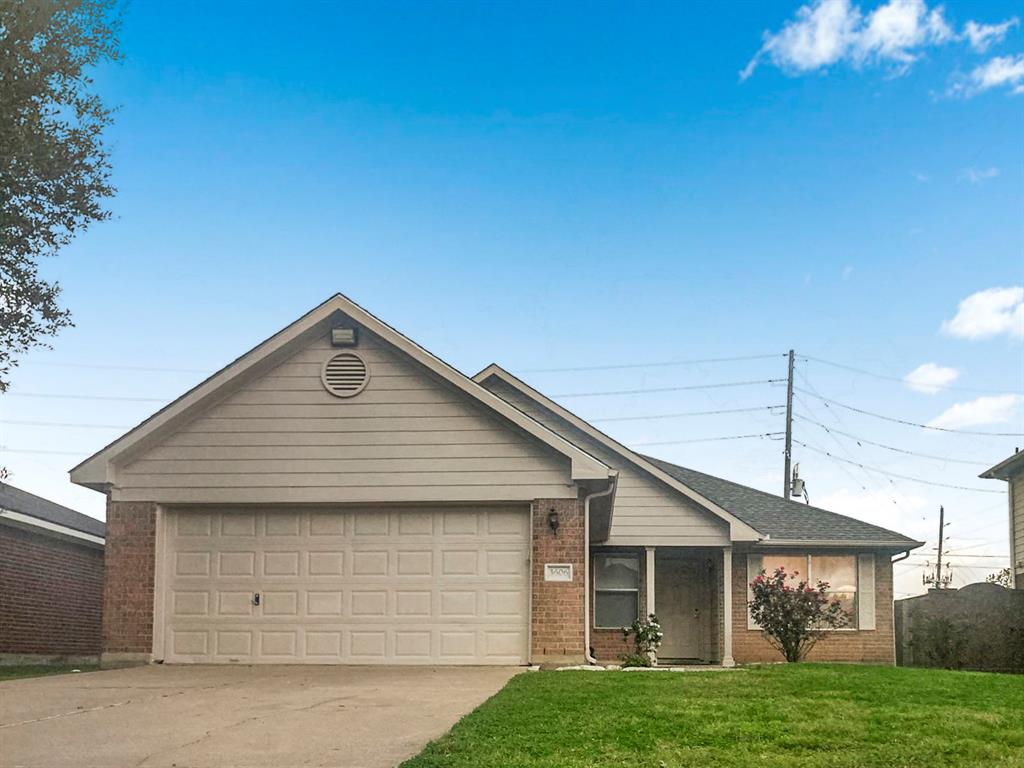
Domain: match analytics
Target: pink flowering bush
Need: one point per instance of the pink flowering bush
(793, 614)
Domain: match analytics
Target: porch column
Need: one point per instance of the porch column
(727, 659)
(649, 573)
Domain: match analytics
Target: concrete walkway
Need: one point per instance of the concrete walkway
(200, 716)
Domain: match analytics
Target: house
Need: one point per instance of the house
(340, 495)
(1012, 471)
(51, 580)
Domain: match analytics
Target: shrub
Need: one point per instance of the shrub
(793, 615)
(646, 634)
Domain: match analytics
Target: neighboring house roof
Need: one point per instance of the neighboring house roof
(784, 520)
(97, 471)
(773, 519)
(22, 503)
(1006, 468)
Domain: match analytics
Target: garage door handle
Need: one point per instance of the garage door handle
(256, 598)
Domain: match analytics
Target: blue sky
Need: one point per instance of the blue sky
(566, 185)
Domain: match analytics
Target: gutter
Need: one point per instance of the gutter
(28, 521)
(904, 556)
(586, 564)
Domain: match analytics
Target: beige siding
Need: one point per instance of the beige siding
(1017, 512)
(406, 437)
(647, 512)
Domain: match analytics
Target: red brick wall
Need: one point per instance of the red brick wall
(128, 593)
(867, 646)
(51, 595)
(557, 607)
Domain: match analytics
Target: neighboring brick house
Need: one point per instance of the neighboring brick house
(1012, 471)
(51, 580)
(340, 495)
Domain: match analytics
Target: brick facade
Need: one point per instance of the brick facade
(51, 595)
(128, 592)
(864, 646)
(557, 607)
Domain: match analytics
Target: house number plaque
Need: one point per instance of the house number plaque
(558, 572)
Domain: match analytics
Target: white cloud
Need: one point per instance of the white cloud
(999, 72)
(989, 313)
(983, 36)
(826, 32)
(930, 378)
(978, 175)
(892, 510)
(990, 409)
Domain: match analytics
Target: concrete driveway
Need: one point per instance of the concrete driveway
(236, 716)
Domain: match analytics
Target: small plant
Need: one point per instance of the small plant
(793, 616)
(646, 634)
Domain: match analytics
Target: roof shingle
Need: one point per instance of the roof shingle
(17, 500)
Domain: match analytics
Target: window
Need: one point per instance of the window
(839, 571)
(616, 590)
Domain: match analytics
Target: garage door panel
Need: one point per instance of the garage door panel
(367, 586)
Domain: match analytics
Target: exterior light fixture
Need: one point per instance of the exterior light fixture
(553, 521)
(344, 337)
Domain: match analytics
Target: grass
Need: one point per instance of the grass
(792, 716)
(39, 670)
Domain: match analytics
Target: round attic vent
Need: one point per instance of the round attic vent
(345, 374)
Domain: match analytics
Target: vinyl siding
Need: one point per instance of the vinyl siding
(647, 512)
(1017, 511)
(407, 437)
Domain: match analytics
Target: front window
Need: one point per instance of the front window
(839, 571)
(616, 590)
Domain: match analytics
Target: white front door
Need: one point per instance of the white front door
(682, 600)
(368, 586)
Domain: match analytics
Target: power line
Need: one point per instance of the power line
(710, 439)
(140, 368)
(720, 385)
(893, 474)
(662, 364)
(64, 424)
(5, 449)
(865, 441)
(899, 379)
(828, 401)
(87, 397)
(687, 413)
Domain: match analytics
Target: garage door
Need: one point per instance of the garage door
(418, 586)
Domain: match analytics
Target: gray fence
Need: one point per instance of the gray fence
(980, 627)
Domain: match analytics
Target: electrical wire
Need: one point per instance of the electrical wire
(5, 449)
(63, 424)
(901, 380)
(893, 474)
(139, 368)
(687, 413)
(829, 401)
(662, 364)
(710, 439)
(88, 397)
(865, 441)
(719, 385)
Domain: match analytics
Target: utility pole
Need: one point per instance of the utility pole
(786, 486)
(942, 532)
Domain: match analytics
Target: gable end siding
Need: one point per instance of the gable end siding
(646, 511)
(406, 437)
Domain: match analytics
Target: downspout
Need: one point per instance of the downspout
(586, 567)
(904, 556)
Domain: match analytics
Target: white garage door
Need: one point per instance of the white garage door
(420, 586)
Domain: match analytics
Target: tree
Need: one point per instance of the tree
(54, 167)
(793, 615)
(1002, 577)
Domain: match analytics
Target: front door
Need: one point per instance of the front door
(682, 604)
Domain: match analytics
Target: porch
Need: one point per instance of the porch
(689, 589)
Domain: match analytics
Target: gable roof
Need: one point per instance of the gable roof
(98, 472)
(1006, 468)
(774, 520)
(739, 529)
(16, 500)
(784, 520)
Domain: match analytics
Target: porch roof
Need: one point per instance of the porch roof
(784, 520)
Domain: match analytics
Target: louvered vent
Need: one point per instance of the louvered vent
(345, 374)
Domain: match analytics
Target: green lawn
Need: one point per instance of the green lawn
(38, 670)
(805, 716)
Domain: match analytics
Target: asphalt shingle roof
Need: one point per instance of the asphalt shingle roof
(17, 500)
(778, 517)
